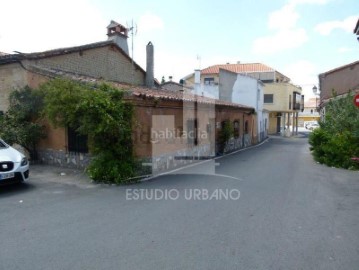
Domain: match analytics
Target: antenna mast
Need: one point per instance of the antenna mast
(133, 31)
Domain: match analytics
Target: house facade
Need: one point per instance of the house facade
(107, 60)
(244, 89)
(281, 99)
(176, 128)
(236, 88)
(171, 128)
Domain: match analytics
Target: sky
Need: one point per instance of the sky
(299, 38)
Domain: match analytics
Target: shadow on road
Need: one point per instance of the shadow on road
(15, 189)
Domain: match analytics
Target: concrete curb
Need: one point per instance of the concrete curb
(199, 163)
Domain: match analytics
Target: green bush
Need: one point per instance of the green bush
(21, 123)
(107, 168)
(318, 139)
(100, 112)
(336, 141)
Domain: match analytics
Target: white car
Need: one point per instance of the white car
(313, 126)
(14, 166)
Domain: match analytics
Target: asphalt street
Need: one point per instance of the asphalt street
(269, 207)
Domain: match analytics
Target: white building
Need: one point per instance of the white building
(245, 90)
(237, 88)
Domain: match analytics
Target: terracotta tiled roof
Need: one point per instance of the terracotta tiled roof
(138, 91)
(178, 96)
(238, 68)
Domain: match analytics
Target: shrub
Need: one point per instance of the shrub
(336, 141)
(100, 112)
(21, 123)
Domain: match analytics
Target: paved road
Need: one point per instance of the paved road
(292, 214)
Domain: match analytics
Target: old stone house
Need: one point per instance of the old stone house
(171, 127)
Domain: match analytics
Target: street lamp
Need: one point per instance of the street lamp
(316, 93)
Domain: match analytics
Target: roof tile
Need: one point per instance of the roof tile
(139, 91)
(238, 68)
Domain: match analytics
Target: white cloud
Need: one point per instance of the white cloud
(284, 18)
(41, 25)
(303, 73)
(149, 22)
(345, 50)
(288, 35)
(284, 39)
(347, 25)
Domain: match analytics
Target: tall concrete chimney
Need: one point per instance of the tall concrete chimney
(197, 82)
(118, 34)
(150, 78)
(197, 76)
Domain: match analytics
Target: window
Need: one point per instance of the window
(192, 127)
(268, 98)
(76, 142)
(290, 102)
(296, 100)
(209, 81)
(236, 128)
(246, 127)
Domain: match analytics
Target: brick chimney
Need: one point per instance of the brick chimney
(150, 77)
(118, 34)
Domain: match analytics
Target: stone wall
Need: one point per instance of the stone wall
(64, 159)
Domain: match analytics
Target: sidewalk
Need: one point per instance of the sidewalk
(49, 173)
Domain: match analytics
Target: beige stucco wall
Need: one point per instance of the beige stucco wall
(282, 93)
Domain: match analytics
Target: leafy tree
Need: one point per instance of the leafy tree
(99, 112)
(21, 124)
(337, 139)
